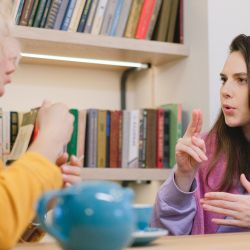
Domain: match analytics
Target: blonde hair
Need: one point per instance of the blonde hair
(6, 7)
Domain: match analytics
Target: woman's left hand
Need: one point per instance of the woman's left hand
(235, 206)
(71, 170)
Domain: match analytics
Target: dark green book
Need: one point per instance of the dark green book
(72, 145)
(39, 13)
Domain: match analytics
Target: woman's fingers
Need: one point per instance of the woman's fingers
(194, 126)
(245, 183)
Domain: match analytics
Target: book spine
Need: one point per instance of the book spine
(108, 17)
(39, 13)
(13, 127)
(91, 16)
(45, 13)
(53, 11)
(123, 18)
(72, 145)
(107, 163)
(144, 19)
(151, 139)
(143, 139)
(84, 16)
(98, 19)
(133, 152)
(159, 144)
(133, 18)
(60, 15)
(166, 139)
(115, 18)
(114, 138)
(27, 8)
(101, 141)
(91, 145)
(33, 13)
(125, 138)
(153, 19)
(76, 15)
(68, 15)
(15, 10)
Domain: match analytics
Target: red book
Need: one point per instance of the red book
(144, 19)
(114, 156)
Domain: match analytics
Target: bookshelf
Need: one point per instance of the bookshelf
(60, 43)
(53, 42)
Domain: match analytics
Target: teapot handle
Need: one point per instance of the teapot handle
(41, 214)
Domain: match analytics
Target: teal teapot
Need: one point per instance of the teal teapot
(94, 215)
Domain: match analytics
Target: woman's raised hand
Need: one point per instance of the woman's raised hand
(190, 150)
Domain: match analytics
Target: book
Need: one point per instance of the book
(91, 139)
(13, 127)
(60, 14)
(133, 142)
(26, 12)
(6, 135)
(151, 138)
(99, 15)
(91, 16)
(166, 138)
(144, 19)
(81, 130)
(52, 14)
(108, 15)
(101, 138)
(39, 13)
(45, 14)
(160, 138)
(121, 25)
(175, 110)
(17, 11)
(133, 18)
(76, 15)
(115, 18)
(125, 138)
(84, 16)
(107, 163)
(68, 15)
(72, 145)
(163, 21)
(172, 21)
(142, 138)
(33, 13)
(24, 135)
(153, 19)
(115, 127)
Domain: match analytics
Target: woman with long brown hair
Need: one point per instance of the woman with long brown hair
(207, 191)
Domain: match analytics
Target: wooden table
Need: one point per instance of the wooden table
(235, 241)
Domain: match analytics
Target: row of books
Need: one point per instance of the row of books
(143, 138)
(142, 19)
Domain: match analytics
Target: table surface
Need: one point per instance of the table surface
(229, 241)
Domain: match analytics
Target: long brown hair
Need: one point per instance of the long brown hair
(231, 141)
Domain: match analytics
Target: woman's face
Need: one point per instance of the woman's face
(234, 91)
(9, 56)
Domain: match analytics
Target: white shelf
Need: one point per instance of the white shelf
(125, 174)
(61, 43)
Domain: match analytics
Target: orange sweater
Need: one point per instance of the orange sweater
(20, 187)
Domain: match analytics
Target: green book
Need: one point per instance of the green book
(72, 145)
(39, 13)
(33, 13)
(175, 128)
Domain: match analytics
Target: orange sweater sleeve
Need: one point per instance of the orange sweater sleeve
(21, 185)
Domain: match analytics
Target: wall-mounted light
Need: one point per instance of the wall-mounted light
(86, 60)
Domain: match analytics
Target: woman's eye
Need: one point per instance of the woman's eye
(223, 80)
(242, 80)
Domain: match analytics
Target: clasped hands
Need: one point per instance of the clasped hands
(190, 151)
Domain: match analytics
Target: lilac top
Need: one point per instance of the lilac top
(181, 212)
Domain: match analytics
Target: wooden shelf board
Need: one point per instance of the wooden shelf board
(55, 42)
(125, 174)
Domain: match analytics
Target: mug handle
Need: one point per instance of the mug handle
(41, 214)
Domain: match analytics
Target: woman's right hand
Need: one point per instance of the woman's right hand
(190, 150)
(55, 126)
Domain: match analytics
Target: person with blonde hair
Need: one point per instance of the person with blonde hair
(40, 168)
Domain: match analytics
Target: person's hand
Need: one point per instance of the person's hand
(71, 170)
(190, 150)
(55, 126)
(235, 206)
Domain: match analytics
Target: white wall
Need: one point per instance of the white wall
(226, 19)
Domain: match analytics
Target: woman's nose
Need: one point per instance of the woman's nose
(227, 89)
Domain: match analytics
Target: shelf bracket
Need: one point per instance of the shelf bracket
(123, 82)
